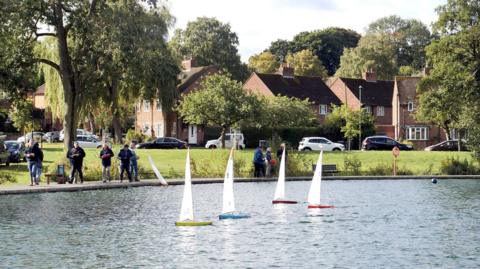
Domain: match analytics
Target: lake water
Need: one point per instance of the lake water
(376, 224)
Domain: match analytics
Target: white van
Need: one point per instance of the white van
(217, 143)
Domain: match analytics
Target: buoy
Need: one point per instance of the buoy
(434, 181)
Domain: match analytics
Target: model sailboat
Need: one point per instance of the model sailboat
(228, 208)
(315, 188)
(157, 173)
(186, 213)
(279, 197)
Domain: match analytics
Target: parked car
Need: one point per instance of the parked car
(88, 141)
(52, 136)
(163, 143)
(217, 143)
(448, 145)
(380, 142)
(319, 143)
(79, 132)
(37, 136)
(16, 150)
(4, 154)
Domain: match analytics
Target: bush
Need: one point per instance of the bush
(215, 166)
(7, 177)
(298, 164)
(133, 135)
(351, 166)
(386, 169)
(453, 166)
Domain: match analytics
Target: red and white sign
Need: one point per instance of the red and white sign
(395, 152)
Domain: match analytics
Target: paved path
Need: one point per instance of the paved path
(98, 185)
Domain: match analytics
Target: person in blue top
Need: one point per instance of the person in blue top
(133, 162)
(259, 162)
(125, 155)
(106, 155)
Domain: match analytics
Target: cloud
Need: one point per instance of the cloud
(259, 22)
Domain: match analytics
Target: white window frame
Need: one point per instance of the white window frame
(158, 106)
(380, 111)
(159, 132)
(322, 109)
(417, 133)
(410, 106)
(146, 106)
(368, 109)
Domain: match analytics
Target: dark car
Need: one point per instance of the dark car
(383, 143)
(16, 150)
(448, 145)
(163, 143)
(4, 154)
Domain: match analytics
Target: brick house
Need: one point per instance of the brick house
(48, 123)
(286, 84)
(404, 106)
(375, 96)
(151, 119)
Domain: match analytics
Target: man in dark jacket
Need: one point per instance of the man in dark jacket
(125, 155)
(76, 155)
(32, 156)
(280, 151)
(106, 155)
(259, 163)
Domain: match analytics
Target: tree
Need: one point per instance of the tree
(220, 101)
(210, 42)
(373, 52)
(264, 62)
(350, 122)
(449, 96)
(22, 116)
(327, 44)
(306, 64)
(409, 37)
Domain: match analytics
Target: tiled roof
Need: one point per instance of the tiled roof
(40, 90)
(189, 77)
(300, 87)
(378, 92)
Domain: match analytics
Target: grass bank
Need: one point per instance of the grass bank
(211, 163)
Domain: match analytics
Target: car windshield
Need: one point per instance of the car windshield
(14, 146)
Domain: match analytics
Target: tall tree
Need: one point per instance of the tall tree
(220, 101)
(307, 64)
(373, 52)
(327, 44)
(264, 62)
(210, 42)
(454, 82)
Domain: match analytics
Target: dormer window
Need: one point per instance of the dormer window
(410, 106)
(380, 111)
(322, 109)
(146, 106)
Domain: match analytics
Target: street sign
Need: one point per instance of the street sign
(395, 152)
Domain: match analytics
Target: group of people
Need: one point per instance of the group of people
(34, 157)
(128, 162)
(264, 164)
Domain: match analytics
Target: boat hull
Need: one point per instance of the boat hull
(284, 202)
(193, 223)
(321, 206)
(233, 216)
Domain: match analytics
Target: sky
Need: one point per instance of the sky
(259, 22)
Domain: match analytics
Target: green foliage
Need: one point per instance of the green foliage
(406, 71)
(210, 42)
(327, 44)
(454, 166)
(386, 169)
(21, 115)
(298, 164)
(7, 177)
(133, 135)
(214, 166)
(306, 64)
(351, 166)
(264, 62)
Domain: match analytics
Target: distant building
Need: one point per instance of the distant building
(285, 83)
(153, 120)
(48, 123)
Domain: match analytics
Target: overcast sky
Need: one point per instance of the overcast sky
(259, 22)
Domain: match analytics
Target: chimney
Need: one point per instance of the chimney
(370, 76)
(187, 64)
(426, 71)
(286, 71)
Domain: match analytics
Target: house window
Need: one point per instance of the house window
(158, 106)
(380, 111)
(323, 109)
(159, 130)
(146, 106)
(146, 128)
(138, 106)
(410, 106)
(368, 109)
(417, 133)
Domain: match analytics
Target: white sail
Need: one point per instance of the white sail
(280, 190)
(228, 198)
(186, 212)
(314, 192)
(157, 173)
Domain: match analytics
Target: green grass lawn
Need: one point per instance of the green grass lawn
(211, 163)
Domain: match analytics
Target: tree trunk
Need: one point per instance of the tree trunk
(91, 122)
(117, 128)
(447, 131)
(222, 135)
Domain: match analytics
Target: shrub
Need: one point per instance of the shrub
(453, 166)
(7, 177)
(298, 164)
(133, 135)
(215, 166)
(352, 166)
(386, 169)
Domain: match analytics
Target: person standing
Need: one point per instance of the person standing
(268, 162)
(30, 156)
(39, 160)
(259, 162)
(280, 151)
(125, 155)
(76, 155)
(106, 155)
(133, 162)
